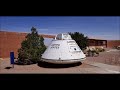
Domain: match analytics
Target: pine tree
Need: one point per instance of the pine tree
(80, 39)
(32, 47)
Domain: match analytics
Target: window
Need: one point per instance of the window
(74, 48)
(59, 36)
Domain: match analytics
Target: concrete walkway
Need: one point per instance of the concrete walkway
(106, 67)
(114, 50)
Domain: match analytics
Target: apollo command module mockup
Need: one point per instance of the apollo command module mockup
(63, 50)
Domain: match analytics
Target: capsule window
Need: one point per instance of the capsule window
(74, 48)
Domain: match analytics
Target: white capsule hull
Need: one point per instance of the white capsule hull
(63, 52)
(62, 61)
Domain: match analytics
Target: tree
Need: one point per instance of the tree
(80, 39)
(32, 47)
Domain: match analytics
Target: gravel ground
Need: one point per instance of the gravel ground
(47, 68)
(81, 68)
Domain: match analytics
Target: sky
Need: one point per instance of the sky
(102, 27)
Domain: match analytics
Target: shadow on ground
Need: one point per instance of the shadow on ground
(8, 67)
(50, 65)
(24, 63)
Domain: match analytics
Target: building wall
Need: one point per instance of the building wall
(97, 43)
(91, 42)
(113, 43)
(11, 41)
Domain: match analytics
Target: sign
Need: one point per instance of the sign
(12, 57)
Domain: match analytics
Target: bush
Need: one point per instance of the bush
(100, 49)
(115, 47)
(118, 47)
(80, 39)
(92, 52)
(32, 47)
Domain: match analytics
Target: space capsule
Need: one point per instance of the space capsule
(63, 50)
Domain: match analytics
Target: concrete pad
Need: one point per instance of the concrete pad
(106, 67)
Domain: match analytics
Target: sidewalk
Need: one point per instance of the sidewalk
(106, 67)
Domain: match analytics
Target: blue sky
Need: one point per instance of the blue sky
(103, 27)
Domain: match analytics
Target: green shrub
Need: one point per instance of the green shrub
(92, 52)
(80, 39)
(32, 47)
(100, 49)
(118, 47)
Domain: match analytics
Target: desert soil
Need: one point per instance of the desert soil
(106, 62)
